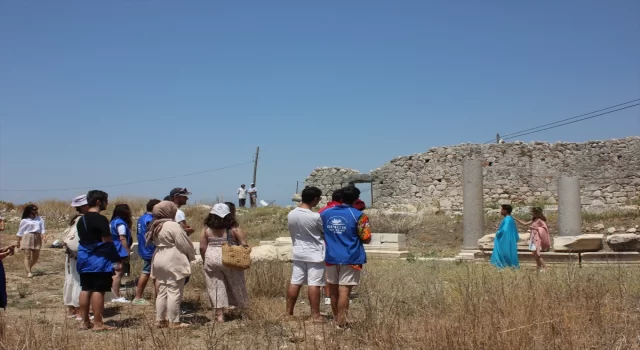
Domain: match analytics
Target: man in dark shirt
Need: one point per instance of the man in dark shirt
(94, 261)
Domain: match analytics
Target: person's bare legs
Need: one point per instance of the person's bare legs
(539, 262)
(83, 310)
(27, 262)
(334, 293)
(343, 304)
(292, 296)
(142, 284)
(97, 304)
(117, 279)
(219, 315)
(313, 292)
(71, 311)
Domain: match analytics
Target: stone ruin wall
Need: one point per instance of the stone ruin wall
(517, 173)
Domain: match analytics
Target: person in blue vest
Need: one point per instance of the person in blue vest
(121, 234)
(97, 258)
(346, 230)
(145, 251)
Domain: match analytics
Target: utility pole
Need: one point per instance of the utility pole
(255, 165)
(497, 138)
(297, 187)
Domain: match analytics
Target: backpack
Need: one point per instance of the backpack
(71, 239)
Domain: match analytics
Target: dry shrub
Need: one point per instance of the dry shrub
(268, 278)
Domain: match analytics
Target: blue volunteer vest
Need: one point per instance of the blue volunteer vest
(145, 250)
(96, 257)
(344, 246)
(116, 237)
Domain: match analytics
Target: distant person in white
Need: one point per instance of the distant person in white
(31, 236)
(242, 196)
(180, 196)
(305, 227)
(253, 196)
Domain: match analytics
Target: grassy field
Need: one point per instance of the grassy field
(400, 305)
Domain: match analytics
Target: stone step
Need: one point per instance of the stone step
(610, 258)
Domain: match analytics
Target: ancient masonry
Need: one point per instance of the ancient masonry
(516, 173)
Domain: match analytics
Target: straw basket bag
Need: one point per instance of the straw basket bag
(235, 256)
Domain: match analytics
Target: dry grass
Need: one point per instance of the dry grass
(416, 305)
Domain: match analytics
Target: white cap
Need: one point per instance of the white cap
(79, 201)
(221, 210)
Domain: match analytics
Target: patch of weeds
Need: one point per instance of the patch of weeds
(411, 258)
(23, 290)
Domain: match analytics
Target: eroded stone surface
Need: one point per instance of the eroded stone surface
(581, 243)
(624, 242)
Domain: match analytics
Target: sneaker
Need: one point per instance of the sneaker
(121, 300)
(327, 301)
(140, 302)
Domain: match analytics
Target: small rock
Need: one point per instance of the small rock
(611, 230)
(623, 242)
(598, 227)
(632, 230)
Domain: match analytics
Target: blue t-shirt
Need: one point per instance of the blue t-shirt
(145, 250)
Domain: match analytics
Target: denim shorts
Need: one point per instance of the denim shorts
(146, 267)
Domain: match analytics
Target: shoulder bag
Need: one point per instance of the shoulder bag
(235, 256)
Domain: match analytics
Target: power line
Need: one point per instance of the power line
(131, 183)
(516, 134)
(571, 122)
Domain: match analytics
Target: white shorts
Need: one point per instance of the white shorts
(309, 273)
(343, 275)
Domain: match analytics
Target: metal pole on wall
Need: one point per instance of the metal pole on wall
(569, 206)
(473, 203)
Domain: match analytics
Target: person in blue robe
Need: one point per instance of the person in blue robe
(505, 245)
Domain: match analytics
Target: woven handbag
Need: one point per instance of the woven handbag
(235, 256)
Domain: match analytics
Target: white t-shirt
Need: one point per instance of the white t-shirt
(242, 193)
(31, 226)
(305, 228)
(180, 216)
(253, 191)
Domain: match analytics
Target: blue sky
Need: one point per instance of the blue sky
(95, 93)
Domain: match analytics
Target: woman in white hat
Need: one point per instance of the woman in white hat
(72, 289)
(226, 286)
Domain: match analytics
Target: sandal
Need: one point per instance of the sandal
(179, 325)
(104, 328)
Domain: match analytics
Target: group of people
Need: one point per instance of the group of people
(98, 251)
(253, 196)
(505, 244)
(328, 250)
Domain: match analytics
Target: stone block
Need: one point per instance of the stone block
(624, 242)
(264, 252)
(376, 238)
(486, 242)
(581, 243)
(383, 254)
(549, 258)
(393, 237)
(283, 241)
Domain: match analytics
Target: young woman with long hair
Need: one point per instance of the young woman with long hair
(121, 233)
(31, 236)
(540, 241)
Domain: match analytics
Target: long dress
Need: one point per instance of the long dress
(226, 286)
(505, 245)
(540, 240)
(3, 287)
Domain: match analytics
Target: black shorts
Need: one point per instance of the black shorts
(96, 281)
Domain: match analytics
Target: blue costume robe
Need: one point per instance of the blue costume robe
(505, 245)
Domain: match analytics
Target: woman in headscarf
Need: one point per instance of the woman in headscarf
(540, 241)
(170, 265)
(30, 236)
(226, 286)
(505, 245)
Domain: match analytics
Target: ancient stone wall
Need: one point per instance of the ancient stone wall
(518, 173)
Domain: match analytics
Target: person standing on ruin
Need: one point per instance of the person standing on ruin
(346, 230)
(505, 244)
(253, 195)
(539, 241)
(305, 228)
(180, 196)
(242, 196)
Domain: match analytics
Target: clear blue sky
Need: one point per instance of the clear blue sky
(104, 92)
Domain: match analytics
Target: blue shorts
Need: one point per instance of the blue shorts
(146, 267)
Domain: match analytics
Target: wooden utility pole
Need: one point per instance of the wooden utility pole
(255, 165)
(297, 187)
